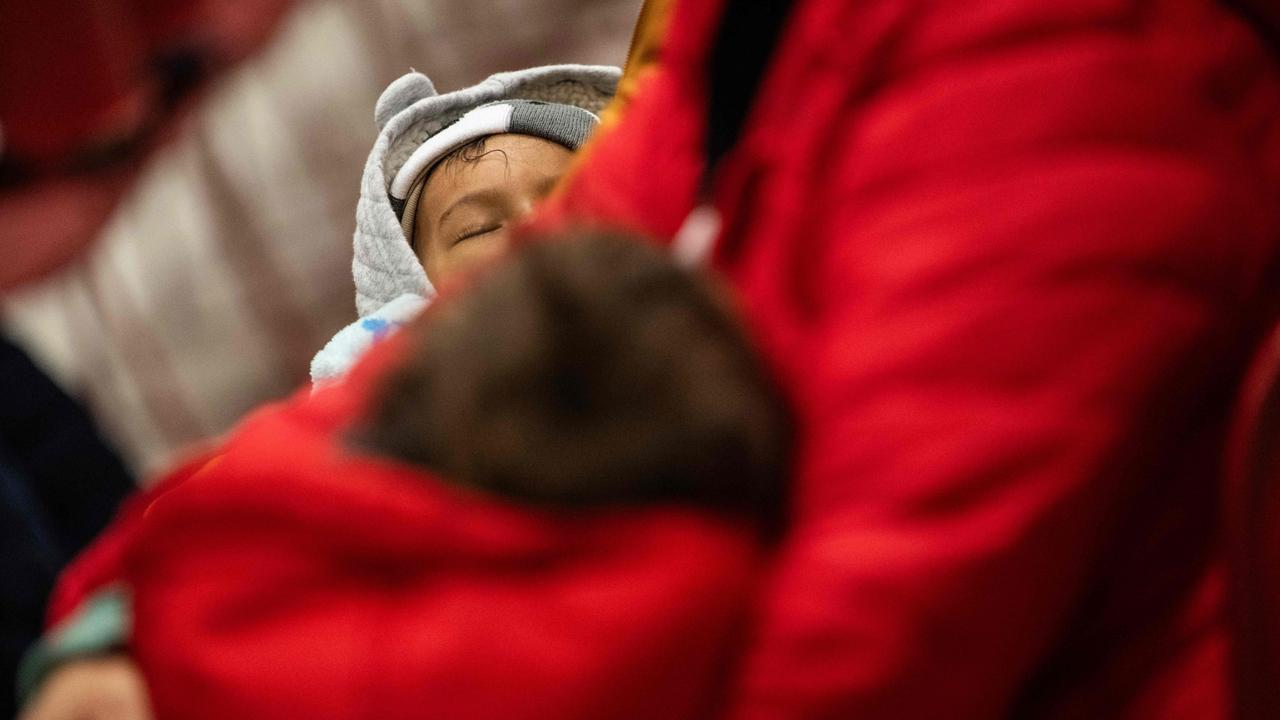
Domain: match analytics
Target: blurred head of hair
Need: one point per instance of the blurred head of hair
(588, 370)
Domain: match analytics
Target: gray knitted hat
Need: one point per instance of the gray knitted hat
(410, 114)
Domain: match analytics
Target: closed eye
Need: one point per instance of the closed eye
(476, 232)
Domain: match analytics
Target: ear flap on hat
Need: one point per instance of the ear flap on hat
(400, 94)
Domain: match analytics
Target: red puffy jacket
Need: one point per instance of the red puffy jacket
(293, 576)
(1006, 258)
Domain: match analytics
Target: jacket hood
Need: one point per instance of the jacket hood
(410, 111)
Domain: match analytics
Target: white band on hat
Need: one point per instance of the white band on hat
(480, 122)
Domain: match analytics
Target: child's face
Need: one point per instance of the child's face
(468, 207)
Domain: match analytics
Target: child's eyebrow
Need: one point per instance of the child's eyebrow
(492, 197)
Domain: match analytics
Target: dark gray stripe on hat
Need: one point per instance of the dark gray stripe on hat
(564, 124)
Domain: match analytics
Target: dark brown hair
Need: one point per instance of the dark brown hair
(583, 371)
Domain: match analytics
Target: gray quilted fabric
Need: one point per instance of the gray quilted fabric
(408, 113)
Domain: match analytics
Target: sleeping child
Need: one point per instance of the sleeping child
(448, 179)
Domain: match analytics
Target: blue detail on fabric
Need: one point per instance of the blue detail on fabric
(377, 326)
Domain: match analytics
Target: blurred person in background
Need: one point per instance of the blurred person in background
(86, 94)
(60, 483)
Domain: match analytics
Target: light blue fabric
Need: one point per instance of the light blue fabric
(102, 624)
(346, 348)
